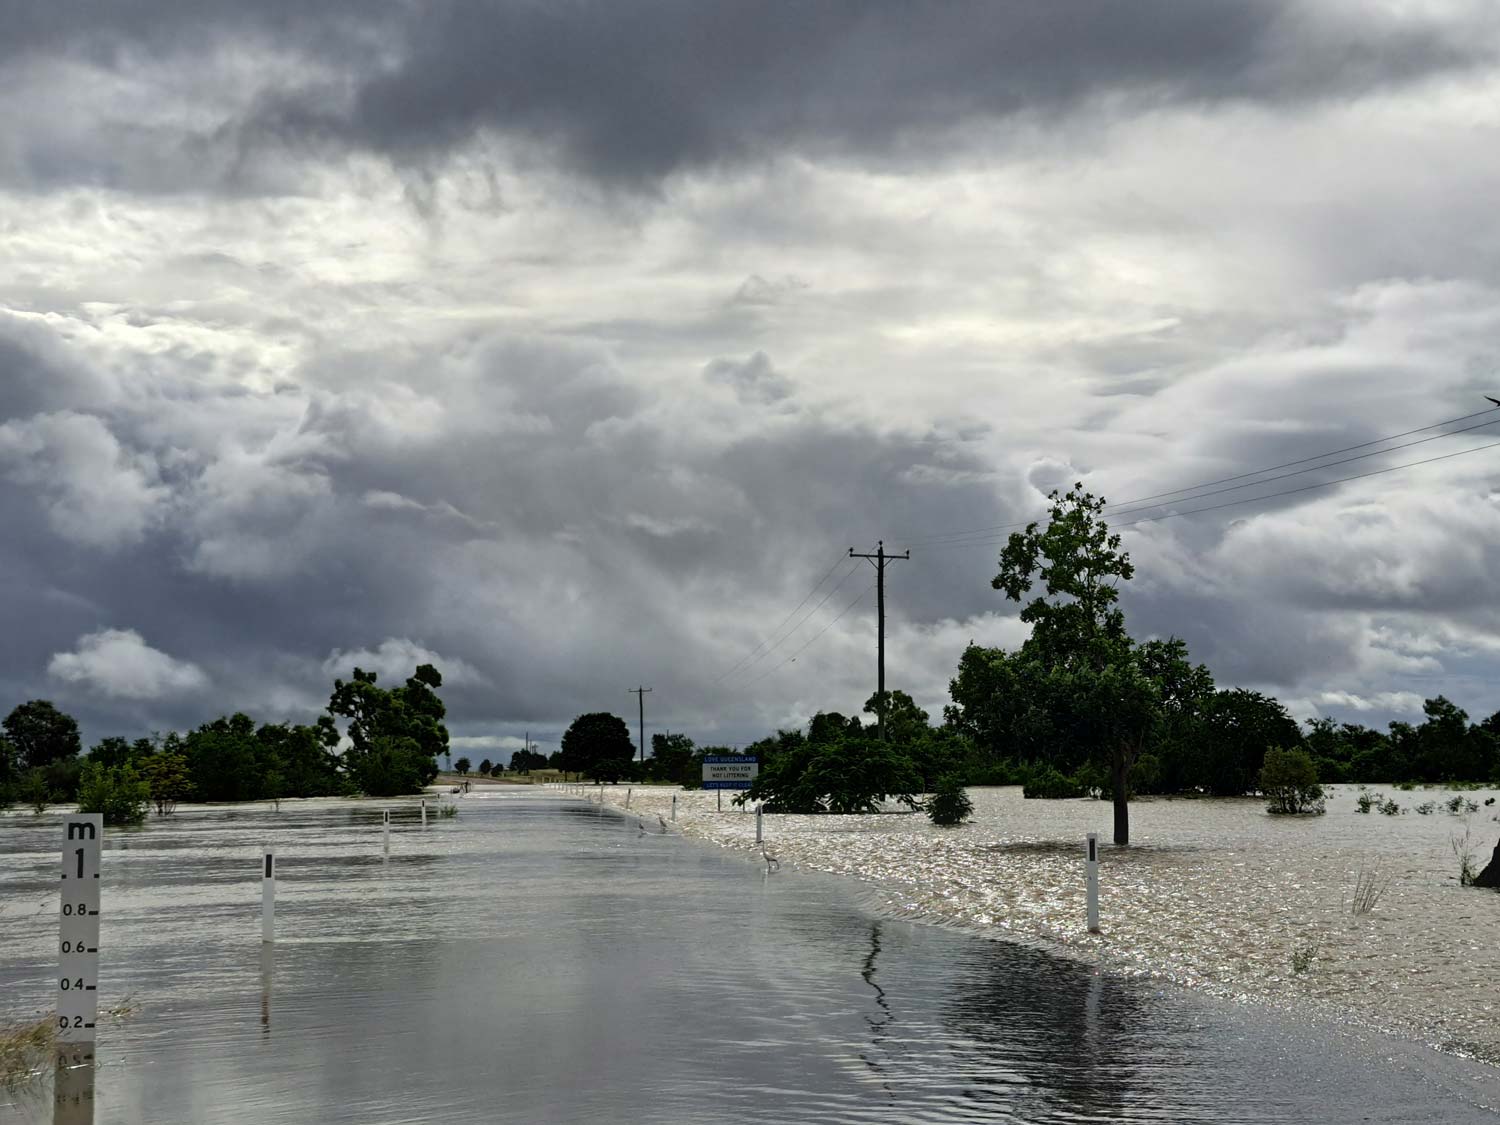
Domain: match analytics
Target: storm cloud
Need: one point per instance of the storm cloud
(572, 346)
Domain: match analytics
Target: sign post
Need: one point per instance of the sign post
(386, 820)
(424, 812)
(674, 808)
(78, 937)
(758, 838)
(1092, 867)
(729, 771)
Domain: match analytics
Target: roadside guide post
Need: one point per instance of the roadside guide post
(1092, 866)
(268, 896)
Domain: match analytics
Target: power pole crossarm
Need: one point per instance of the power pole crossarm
(640, 694)
(879, 558)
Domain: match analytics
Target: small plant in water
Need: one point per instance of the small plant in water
(1366, 801)
(1390, 808)
(1304, 955)
(448, 811)
(1463, 851)
(1426, 808)
(1369, 888)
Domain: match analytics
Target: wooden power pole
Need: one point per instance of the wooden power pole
(879, 558)
(640, 694)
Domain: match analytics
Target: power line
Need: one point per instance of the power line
(810, 614)
(726, 674)
(1131, 508)
(1268, 496)
(863, 594)
(957, 535)
(1335, 452)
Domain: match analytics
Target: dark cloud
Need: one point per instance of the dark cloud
(630, 93)
(531, 516)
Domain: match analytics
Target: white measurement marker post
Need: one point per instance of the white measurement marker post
(674, 807)
(78, 938)
(424, 812)
(268, 896)
(1092, 867)
(758, 838)
(386, 819)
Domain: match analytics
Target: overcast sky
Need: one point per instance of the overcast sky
(569, 345)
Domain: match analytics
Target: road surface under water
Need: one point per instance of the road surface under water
(540, 960)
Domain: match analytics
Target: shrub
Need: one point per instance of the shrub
(848, 774)
(167, 781)
(1365, 801)
(1389, 808)
(1289, 780)
(1049, 784)
(949, 804)
(117, 792)
(34, 791)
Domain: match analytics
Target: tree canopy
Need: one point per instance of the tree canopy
(598, 744)
(395, 734)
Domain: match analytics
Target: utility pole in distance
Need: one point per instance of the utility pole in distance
(640, 694)
(879, 558)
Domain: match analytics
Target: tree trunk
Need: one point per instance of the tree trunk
(1490, 876)
(1119, 768)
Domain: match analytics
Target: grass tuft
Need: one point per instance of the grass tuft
(25, 1049)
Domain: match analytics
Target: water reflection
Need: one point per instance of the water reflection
(1055, 1031)
(541, 942)
(267, 969)
(73, 1089)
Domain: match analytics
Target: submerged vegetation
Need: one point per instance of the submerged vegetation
(25, 1049)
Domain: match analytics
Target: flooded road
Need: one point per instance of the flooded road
(542, 960)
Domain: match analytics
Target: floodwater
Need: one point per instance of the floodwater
(1215, 895)
(537, 959)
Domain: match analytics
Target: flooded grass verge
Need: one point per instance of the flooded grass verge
(1216, 895)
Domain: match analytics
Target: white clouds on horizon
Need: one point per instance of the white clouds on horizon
(119, 664)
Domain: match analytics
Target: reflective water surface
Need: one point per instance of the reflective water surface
(541, 960)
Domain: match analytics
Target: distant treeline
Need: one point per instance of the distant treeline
(1215, 745)
(395, 737)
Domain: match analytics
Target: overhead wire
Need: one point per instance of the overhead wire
(816, 586)
(806, 618)
(986, 534)
(776, 668)
(1258, 499)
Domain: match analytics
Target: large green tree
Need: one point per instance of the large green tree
(1080, 655)
(40, 734)
(598, 744)
(1236, 729)
(396, 734)
(671, 759)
